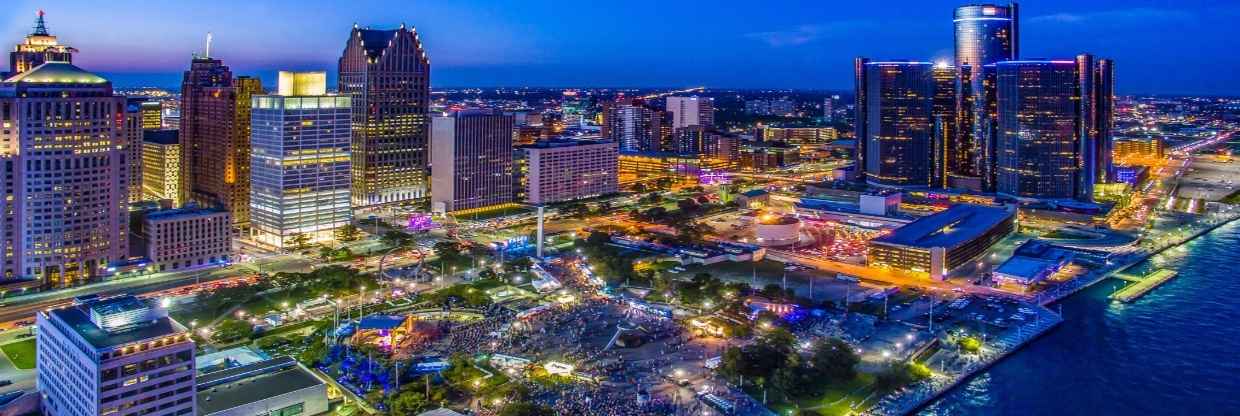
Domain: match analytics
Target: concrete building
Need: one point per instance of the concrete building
(215, 137)
(882, 203)
(161, 167)
(471, 156)
(691, 111)
(300, 175)
(566, 170)
(764, 156)
(939, 243)
(116, 356)
(133, 146)
(188, 237)
(387, 76)
(636, 126)
(65, 184)
(38, 48)
(275, 387)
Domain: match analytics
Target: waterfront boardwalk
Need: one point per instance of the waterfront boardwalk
(1141, 287)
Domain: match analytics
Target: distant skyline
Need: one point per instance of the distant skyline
(1160, 47)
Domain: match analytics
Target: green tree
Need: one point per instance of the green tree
(396, 238)
(299, 241)
(834, 360)
(232, 329)
(314, 353)
(525, 409)
(348, 232)
(408, 402)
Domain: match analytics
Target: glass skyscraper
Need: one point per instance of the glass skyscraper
(899, 120)
(985, 34)
(1039, 146)
(300, 166)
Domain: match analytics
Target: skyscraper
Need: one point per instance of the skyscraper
(636, 126)
(985, 34)
(691, 111)
(161, 167)
(899, 119)
(860, 114)
(133, 145)
(114, 356)
(943, 117)
(65, 189)
(1051, 133)
(301, 176)
(215, 137)
(38, 47)
(387, 75)
(471, 160)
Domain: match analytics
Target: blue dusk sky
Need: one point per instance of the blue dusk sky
(1167, 47)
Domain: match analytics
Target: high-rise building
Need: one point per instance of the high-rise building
(66, 177)
(300, 171)
(471, 160)
(133, 145)
(985, 34)
(114, 356)
(161, 167)
(152, 115)
(899, 123)
(636, 126)
(38, 47)
(943, 119)
(860, 114)
(566, 170)
(387, 75)
(184, 238)
(1051, 143)
(691, 111)
(215, 137)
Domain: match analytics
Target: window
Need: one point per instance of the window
(290, 410)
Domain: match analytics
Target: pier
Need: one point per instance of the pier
(1141, 287)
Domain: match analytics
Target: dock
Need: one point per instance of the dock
(1141, 287)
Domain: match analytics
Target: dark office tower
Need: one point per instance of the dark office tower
(388, 76)
(944, 119)
(636, 126)
(215, 137)
(1104, 119)
(860, 132)
(898, 114)
(985, 34)
(1039, 140)
(39, 47)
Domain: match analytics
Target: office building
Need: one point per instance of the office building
(152, 115)
(941, 242)
(566, 170)
(184, 238)
(1139, 149)
(65, 185)
(471, 159)
(387, 76)
(767, 156)
(161, 167)
(1050, 143)
(797, 136)
(114, 356)
(215, 137)
(38, 48)
(985, 34)
(943, 121)
(899, 123)
(691, 111)
(636, 126)
(648, 167)
(300, 168)
(275, 387)
(133, 146)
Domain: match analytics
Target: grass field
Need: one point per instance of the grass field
(21, 353)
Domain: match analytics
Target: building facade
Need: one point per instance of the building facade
(300, 172)
(133, 146)
(189, 237)
(471, 159)
(215, 137)
(899, 120)
(636, 126)
(926, 245)
(765, 156)
(387, 76)
(116, 356)
(38, 48)
(63, 149)
(691, 111)
(985, 34)
(559, 171)
(161, 167)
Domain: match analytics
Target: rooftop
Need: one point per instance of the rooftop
(57, 73)
(950, 228)
(78, 318)
(1027, 268)
(238, 386)
(188, 211)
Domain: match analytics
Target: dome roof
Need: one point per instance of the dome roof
(57, 73)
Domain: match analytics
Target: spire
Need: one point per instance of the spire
(39, 27)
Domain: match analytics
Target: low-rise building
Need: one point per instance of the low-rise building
(275, 387)
(178, 239)
(941, 242)
(763, 156)
(114, 356)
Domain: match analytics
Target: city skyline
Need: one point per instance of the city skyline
(542, 45)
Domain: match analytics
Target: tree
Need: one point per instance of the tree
(396, 238)
(970, 345)
(487, 274)
(314, 353)
(834, 360)
(299, 241)
(779, 339)
(408, 402)
(447, 250)
(348, 232)
(232, 329)
(525, 409)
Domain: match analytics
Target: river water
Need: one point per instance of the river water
(1175, 351)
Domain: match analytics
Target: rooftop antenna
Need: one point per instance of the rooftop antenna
(39, 27)
(208, 53)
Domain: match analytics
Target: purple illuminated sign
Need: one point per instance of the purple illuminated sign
(420, 222)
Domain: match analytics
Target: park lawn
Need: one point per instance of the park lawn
(829, 403)
(21, 353)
